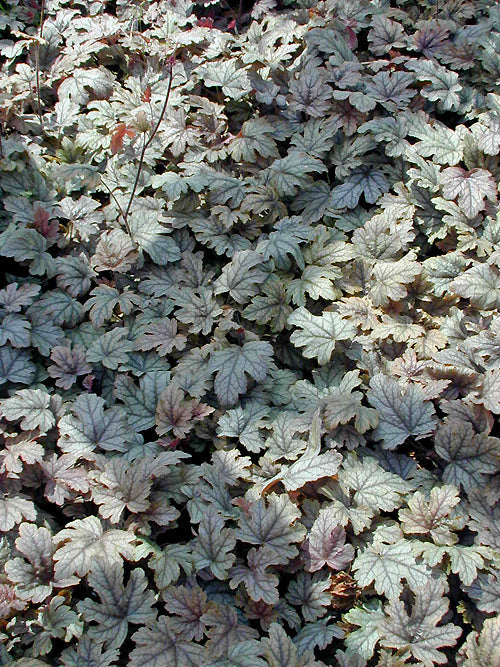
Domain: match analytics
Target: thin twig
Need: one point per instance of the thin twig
(37, 63)
(118, 204)
(145, 146)
(137, 176)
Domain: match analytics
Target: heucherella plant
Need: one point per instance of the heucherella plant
(249, 333)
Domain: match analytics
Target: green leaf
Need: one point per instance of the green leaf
(35, 407)
(56, 307)
(227, 74)
(111, 349)
(482, 649)
(241, 276)
(368, 618)
(15, 366)
(16, 330)
(312, 465)
(214, 544)
(418, 631)
(140, 401)
(254, 138)
(391, 280)
(402, 412)
(292, 172)
(285, 240)
(271, 306)
(92, 426)
(385, 565)
(370, 485)
(27, 244)
(120, 604)
(245, 424)
(76, 87)
(465, 561)
(319, 333)
(168, 563)
(363, 181)
(199, 310)
(152, 237)
(444, 84)
(103, 301)
(232, 364)
(480, 284)
(317, 281)
(437, 140)
(471, 188)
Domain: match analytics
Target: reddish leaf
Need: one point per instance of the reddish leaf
(205, 22)
(118, 136)
(43, 224)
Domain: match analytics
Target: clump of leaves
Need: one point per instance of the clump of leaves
(249, 333)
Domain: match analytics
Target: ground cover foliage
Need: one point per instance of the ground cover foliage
(250, 339)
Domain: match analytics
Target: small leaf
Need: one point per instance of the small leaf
(116, 143)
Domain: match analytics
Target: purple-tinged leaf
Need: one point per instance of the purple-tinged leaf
(325, 544)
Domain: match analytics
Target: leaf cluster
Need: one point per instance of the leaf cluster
(249, 333)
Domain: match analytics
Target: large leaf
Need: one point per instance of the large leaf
(233, 363)
(34, 407)
(120, 604)
(318, 334)
(84, 540)
(213, 545)
(482, 648)
(92, 426)
(470, 187)
(402, 412)
(157, 644)
(419, 632)
(386, 565)
(272, 522)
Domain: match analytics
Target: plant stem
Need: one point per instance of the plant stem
(37, 63)
(145, 145)
(117, 203)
